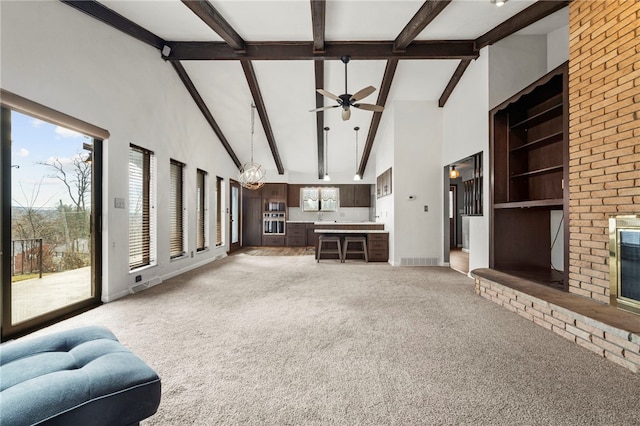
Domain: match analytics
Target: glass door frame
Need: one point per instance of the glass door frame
(14, 102)
(233, 246)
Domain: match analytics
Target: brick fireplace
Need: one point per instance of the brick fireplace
(604, 183)
(604, 134)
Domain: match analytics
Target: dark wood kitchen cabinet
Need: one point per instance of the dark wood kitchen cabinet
(378, 247)
(355, 195)
(296, 234)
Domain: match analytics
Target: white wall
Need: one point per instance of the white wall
(63, 59)
(514, 63)
(557, 47)
(417, 173)
(465, 132)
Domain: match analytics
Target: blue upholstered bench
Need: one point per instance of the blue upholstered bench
(75, 377)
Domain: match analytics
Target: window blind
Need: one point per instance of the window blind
(218, 211)
(176, 212)
(201, 209)
(141, 212)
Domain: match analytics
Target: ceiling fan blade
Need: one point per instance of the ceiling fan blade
(328, 94)
(323, 108)
(369, 107)
(346, 114)
(361, 94)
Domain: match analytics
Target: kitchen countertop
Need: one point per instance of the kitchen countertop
(350, 231)
(333, 222)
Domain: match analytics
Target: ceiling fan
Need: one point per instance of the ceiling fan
(347, 100)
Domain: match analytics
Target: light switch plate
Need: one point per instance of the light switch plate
(118, 203)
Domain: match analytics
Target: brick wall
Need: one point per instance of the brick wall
(604, 133)
(615, 344)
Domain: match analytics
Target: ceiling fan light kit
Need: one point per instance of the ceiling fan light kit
(347, 100)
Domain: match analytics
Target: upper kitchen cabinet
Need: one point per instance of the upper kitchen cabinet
(355, 195)
(293, 195)
(362, 196)
(275, 191)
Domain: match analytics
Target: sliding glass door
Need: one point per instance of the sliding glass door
(51, 244)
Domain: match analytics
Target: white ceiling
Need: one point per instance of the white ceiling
(287, 87)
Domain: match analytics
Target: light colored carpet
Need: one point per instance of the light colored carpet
(287, 341)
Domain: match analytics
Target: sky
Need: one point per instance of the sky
(35, 141)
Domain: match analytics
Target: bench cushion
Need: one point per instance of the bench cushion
(81, 376)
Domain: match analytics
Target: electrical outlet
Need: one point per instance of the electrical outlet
(118, 203)
(426, 208)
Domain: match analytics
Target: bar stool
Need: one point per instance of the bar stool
(363, 247)
(329, 239)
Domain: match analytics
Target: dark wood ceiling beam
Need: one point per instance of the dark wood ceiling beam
(387, 79)
(455, 79)
(119, 22)
(301, 50)
(318, 12)
(262, 112)
(423, 17)
(528, 16)
(319, 74)
(318, 15)
(205, 11)
(182, 73)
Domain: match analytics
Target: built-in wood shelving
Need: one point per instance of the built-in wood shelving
(529, 169)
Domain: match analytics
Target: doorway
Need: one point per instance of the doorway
(51, 208)
(235, 224)
(463, 188)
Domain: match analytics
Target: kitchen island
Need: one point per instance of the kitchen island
(377, 239)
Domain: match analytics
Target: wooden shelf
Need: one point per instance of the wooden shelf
(552, 202)
(554, 137)
(529, 148)
(537, 172)
(553, 111)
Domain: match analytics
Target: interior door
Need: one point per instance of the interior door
(235, 222)
(50, 211)
(251, 221)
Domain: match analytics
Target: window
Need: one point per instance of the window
(328, 199)
(201, 210)
(310, 199)
(472, 202)
(319, 199)
(218, 211)
(141, 207)
(176, 212)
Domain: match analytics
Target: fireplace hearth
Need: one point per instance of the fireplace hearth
(624, 251)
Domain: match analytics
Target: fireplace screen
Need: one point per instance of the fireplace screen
(625, 262)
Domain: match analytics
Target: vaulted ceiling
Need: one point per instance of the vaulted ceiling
(276, 53)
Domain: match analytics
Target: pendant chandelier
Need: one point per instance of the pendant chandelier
(357, 175)
(252, 174)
